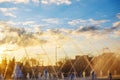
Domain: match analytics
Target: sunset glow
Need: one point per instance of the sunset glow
(59, 39)
(79, 28)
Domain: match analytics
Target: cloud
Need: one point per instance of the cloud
(36, 1)
(21, 1)
(86, 22)
(90, 28)
(117, 33)
(97, 32)
(75, 22)
(51, 20)
(97, 22)
(116, 24)
(35, 35)
(52, 36)
(57, 2)
(89, 32)
(25, 38)
(118, 15)
(45, 2)
(8, 11)
(4, 1)
(28, 22)
(19, 36)
(87, 28)
(11, 22)
(15, 1)
(116, 28)
(10, 15)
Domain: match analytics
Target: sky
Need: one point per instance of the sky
(65, 27)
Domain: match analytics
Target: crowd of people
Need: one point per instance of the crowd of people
(46, 75)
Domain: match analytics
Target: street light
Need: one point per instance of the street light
(56, 48)
(56, 55)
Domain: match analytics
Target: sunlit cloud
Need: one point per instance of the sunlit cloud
(28, 22)
(88, 28)
(18, 36)
(36, 35)
(51, 20)
(86, 22)
(36, 1)
(21, 1)
(8, 11)
(11, 22)
(45, 2)
(5, 1)
(90, 32)
(10, 15)
(116, 28)
(96, 32)
(116, 24)
(15, 1)
(25, 37)
(57, 2)
(118, 15)
(117, 32)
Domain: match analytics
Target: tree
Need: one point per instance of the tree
(10, 68)
(3, 65)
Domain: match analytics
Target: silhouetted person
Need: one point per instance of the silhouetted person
(45, 74)
(62, 76)
(72, 76)
(93, 75)
(39, 76)
(51, 76)
(110, 76)
(84, 74)
(28, 76)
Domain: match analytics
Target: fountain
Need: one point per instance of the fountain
(17, 73)
(1, 77)
(39, 76)
(47, 75)
(28, 76)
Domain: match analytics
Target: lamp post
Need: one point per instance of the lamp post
(56, 57)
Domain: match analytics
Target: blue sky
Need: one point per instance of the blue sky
(64, 12)
(89, 24)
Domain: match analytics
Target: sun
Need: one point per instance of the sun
(2, 48)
